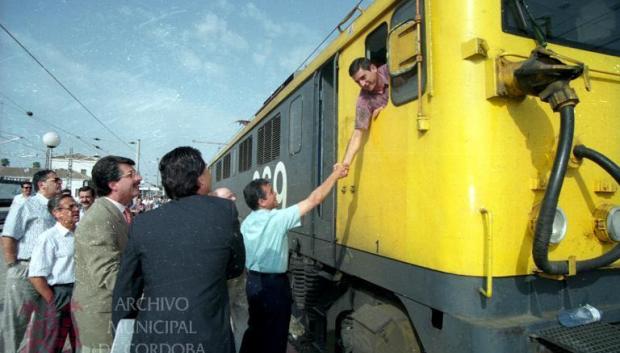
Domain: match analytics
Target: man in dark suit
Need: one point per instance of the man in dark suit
(178, 259)
(99, 241)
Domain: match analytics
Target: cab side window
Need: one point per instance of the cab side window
(403, 53)
(375, 45)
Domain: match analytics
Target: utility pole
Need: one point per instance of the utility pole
(137, 143)
(70, 168)
(138, 157)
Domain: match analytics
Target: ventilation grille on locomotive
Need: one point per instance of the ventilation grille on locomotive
(269, 141)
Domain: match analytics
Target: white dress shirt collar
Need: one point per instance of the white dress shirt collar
(41, 197)
(61, 229)
(118, 205)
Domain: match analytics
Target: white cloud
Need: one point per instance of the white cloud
(294, 57)
(273, 29)
(210, 25)
(259, 59)
(161, 17)
(214, 33)
(190, 60)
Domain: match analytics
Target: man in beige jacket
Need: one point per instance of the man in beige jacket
(100, 239)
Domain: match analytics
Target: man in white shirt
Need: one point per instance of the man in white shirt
(21, 232)
(19, 199)
(52, 273)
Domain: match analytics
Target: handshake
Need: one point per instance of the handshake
(341, 170)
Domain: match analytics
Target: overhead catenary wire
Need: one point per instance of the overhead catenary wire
(21, 143)
(349, 15)
(64, 87)
(77, 137)
(13, 102)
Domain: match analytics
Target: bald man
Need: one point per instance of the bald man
(224, 193)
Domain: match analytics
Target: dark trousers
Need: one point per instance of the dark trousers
(269, 301)
(57, 324)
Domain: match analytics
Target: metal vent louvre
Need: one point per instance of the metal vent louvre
(275, 152)
(218, 171)
(593, 338)
(226, 171)
(245, 154)
(260, 159)
(269, 141)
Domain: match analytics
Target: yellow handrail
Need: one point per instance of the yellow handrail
(488, 227)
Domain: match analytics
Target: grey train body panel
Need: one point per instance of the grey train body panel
(447, 311)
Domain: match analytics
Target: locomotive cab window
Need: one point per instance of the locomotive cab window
(375, 45)
(589, 25)
(403, 53)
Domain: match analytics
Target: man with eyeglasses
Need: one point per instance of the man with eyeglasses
(20, 198)
(99, 242)
(22, 230)
(51, 272)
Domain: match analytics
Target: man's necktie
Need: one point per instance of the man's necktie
(128, 216)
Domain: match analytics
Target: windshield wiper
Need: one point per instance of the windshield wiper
(530, 23)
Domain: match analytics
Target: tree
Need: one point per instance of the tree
(5, 162)
(36, 165)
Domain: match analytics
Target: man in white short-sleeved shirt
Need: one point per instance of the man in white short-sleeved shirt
(52, 273)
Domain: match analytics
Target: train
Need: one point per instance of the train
(484, 201)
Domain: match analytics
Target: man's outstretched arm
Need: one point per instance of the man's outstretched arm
(355, 142)
(354, 145)
(320, 193)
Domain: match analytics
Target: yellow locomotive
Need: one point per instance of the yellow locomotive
(485, 198)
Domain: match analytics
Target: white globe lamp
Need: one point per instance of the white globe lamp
(51, 140)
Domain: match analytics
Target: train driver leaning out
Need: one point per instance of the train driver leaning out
(372, 98)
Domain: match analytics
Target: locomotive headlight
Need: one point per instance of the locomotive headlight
(613, 224)
(558, 231)
(559, 226)
(607, 223)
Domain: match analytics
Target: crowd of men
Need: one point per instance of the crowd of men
(75, 270)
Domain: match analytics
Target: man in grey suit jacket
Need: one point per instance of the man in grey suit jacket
(99, 242)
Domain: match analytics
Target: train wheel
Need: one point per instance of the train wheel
(381, 328)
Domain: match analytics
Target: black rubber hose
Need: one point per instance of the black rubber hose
(544, 223)
(610, 167)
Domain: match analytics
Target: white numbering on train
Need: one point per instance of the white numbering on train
(278, 181)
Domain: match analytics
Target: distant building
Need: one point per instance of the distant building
(79, 163)
(17, 174)
(23, 174)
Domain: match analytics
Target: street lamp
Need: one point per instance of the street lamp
(137, 153)
(51, 140)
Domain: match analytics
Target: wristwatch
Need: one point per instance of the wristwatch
(12, 264)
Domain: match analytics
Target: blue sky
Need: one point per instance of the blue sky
(165, 72)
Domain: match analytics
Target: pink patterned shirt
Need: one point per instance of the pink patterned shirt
(367, 102)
